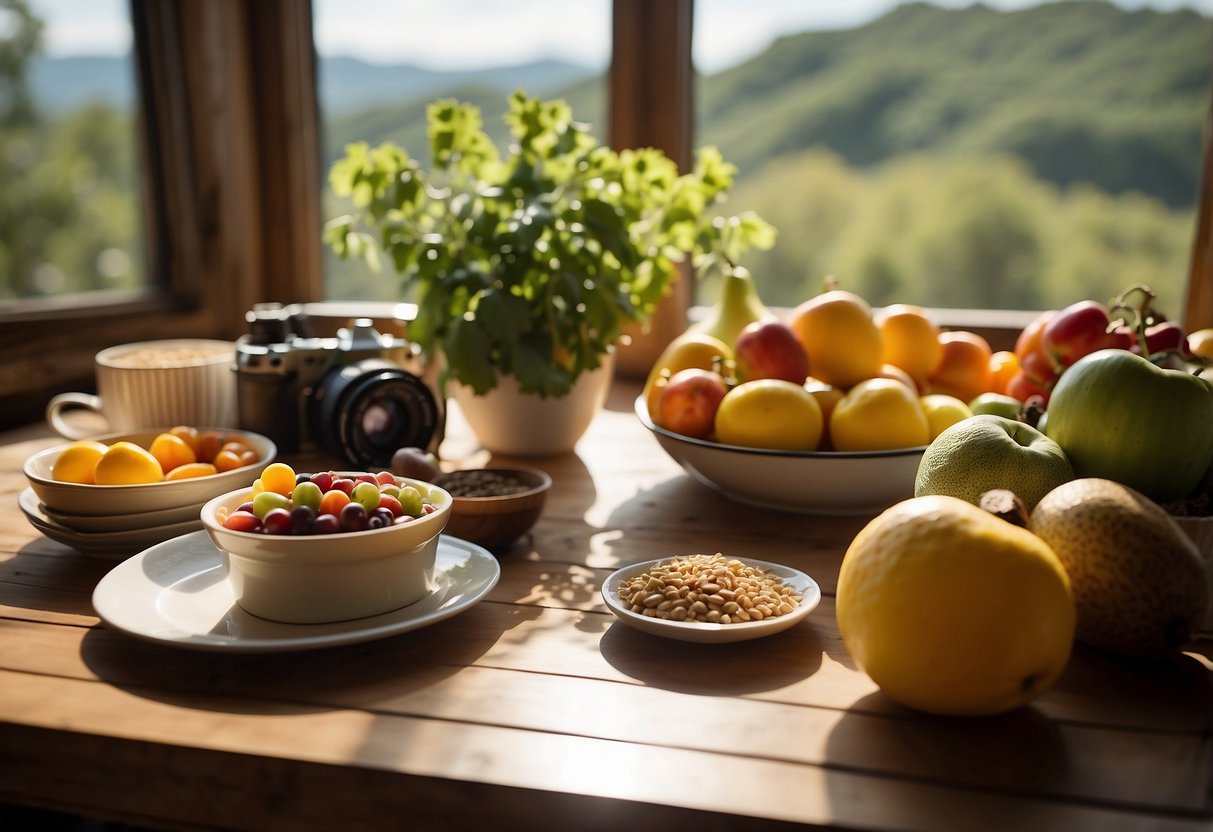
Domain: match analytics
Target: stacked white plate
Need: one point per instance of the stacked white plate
(116, 521)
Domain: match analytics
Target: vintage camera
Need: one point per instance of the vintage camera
(359, 395)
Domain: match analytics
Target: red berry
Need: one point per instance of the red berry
(242, 521)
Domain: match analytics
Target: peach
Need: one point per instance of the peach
(688, 402)
(964, 369)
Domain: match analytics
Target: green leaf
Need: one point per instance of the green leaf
(467, 353)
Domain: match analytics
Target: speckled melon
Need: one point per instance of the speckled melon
(1138, 581)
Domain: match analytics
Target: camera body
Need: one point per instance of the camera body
(360, 395)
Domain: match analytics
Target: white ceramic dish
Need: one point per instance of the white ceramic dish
(314, 579)
(707, 633)
(96, 500)
(107, 545)
(122, 522)
(177, 594)
(810, 482)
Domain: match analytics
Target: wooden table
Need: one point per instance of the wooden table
(536, 709)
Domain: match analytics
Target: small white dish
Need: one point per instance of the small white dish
(322, 578)
(106, 545)
(177, 594)
(705, 632)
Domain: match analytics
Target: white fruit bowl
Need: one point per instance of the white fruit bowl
(77, 499)
(810, 482)
(322, 578)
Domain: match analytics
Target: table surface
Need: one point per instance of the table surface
(536, 708)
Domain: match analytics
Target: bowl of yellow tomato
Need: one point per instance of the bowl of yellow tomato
(145, 471)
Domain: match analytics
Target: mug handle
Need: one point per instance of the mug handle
(70, 401)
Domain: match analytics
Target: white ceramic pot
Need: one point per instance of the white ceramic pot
(512, 423)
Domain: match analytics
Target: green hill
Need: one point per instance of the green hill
(1082, 91)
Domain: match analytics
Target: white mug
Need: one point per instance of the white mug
(156, 384)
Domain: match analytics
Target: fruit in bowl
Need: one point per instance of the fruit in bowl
(348, 567)
(133, 479)
(810, 482)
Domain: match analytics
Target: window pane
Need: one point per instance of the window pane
(70, 217)
(1006, 155)
(381, 62)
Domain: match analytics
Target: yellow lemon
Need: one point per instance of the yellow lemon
(689, 351)
(943, 411)
(125, 463)
(770, 413)
(879, 414)
(953, 611)
(839, 336)
(78, 461)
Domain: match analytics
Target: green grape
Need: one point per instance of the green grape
(410, 500)
(366, 494)
(307, 494)
(266, 501)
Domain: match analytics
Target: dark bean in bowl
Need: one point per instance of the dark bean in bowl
(494, 507)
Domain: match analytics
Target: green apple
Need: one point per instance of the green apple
(1120, 417)
(986, 452)
(996, 404)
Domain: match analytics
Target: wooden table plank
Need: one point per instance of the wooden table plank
(718, 783)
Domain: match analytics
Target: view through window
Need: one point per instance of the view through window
(70, 216)
(1004, 155)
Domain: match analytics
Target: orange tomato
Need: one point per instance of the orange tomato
(171, 451)
(1004, 365)
(191, 470)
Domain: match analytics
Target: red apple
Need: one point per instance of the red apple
(688, 402)
(769, 349)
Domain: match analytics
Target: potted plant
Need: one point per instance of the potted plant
(525, 266)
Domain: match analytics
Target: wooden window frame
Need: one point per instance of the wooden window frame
(230, 161)
(232, 173)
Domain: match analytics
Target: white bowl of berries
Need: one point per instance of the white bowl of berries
(330, 546)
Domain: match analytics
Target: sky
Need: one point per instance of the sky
(419, 31)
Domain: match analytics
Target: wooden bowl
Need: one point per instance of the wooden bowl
(494, 521)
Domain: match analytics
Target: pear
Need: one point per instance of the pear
(1138, 580)
(737, 306)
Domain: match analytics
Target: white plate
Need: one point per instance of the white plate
(706, 632)
(177, 593)
(108, 545)
(120, 522)
(811, 482)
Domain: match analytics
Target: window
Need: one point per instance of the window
(71, 221)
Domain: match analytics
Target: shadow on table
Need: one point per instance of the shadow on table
(734, 669)
(51, 577)
(1023, 752)
(378, 674)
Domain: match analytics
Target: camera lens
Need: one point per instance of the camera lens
(367, 410)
